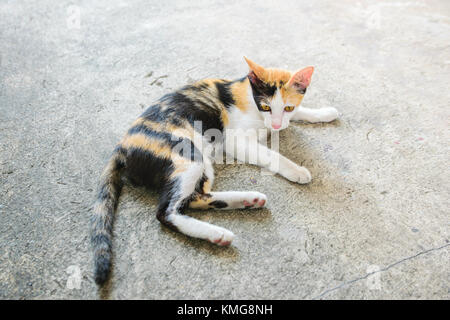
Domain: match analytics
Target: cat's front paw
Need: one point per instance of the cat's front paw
(327, 114)
(298, 174)
(221, 236)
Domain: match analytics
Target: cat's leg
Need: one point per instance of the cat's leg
(229, 200)
(224, 200)
(267, 158)
(315, 115)
(277, 163)
(175, 197)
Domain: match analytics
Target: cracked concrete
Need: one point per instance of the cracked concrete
(374, 274)
(373, 224)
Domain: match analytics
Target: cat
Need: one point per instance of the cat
(149, 154)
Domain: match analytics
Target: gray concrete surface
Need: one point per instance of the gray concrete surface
(374, 222)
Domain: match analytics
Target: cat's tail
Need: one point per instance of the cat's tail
(102, 220)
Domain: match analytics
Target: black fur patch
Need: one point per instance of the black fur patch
(261, 90)
(167, 194)
(219, 204)
(146, 169)
(191, 109)
(225, 95)
(102, 268)
(200, 185)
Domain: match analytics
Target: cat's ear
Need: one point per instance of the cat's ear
(301, 79)
(256, 71)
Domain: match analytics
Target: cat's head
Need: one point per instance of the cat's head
(277, 93)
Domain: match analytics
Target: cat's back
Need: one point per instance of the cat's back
(205, 102)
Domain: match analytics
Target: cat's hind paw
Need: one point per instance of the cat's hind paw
(256, 200)
(221, 236)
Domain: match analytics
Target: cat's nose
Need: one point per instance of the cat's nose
(276, 125)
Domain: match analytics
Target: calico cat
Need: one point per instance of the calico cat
(149, 154)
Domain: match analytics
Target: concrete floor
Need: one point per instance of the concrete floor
(373, 224)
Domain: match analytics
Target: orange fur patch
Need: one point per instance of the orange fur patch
(207, 186)
(141, 141)
(224, 116)
(291, 96)
(276, 76)
(239, 90)
(202, 201)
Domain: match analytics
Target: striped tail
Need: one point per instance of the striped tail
(103, 218)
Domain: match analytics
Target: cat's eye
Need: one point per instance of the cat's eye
(265, 107)
(289, 108)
